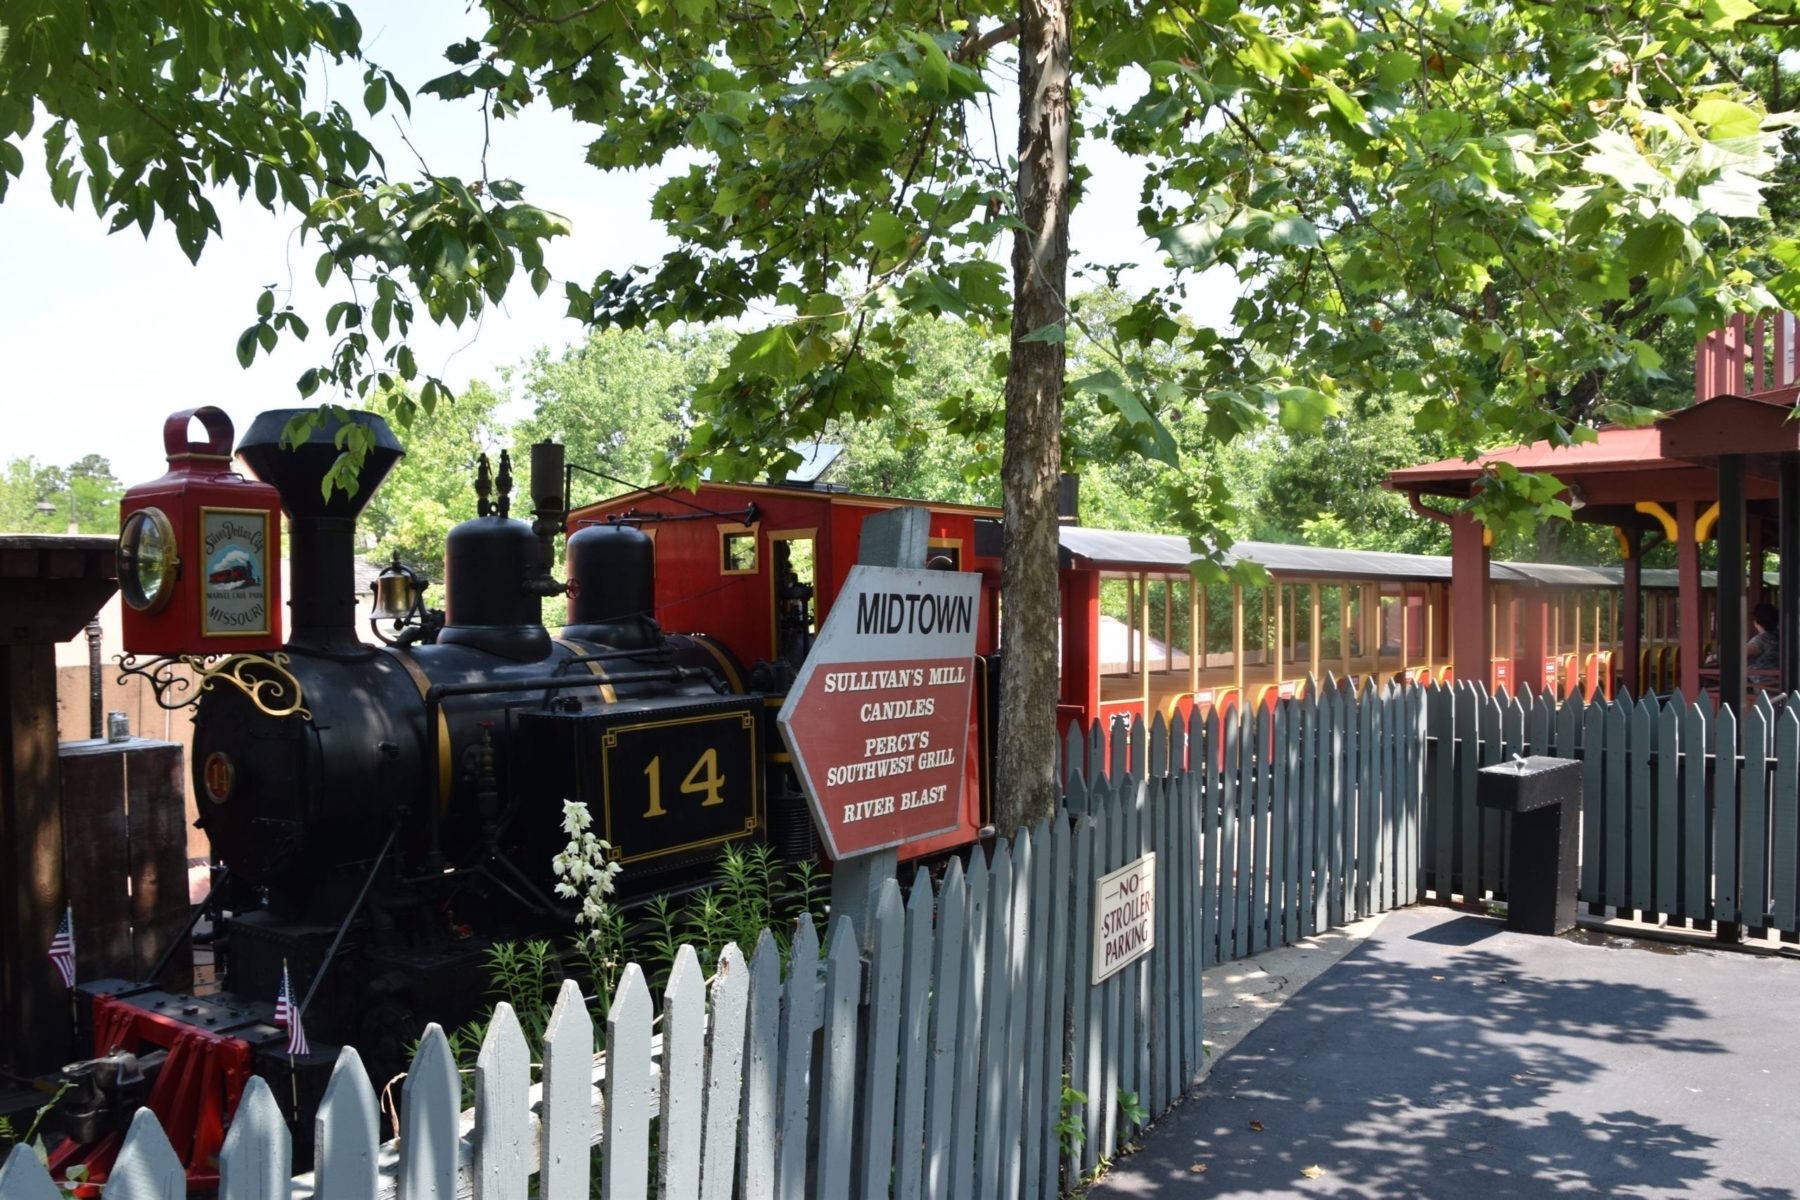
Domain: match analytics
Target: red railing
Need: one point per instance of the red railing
(1748, 356)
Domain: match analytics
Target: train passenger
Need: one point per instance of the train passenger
(1763, 651)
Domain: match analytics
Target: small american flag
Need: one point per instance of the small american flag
(62, 948)
(287, 1015)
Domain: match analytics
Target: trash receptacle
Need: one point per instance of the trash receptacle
(1543, 798)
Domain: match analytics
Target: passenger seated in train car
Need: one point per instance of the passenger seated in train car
(1763, 651)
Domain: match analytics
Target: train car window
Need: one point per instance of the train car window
(1118, 627)
(1354, 609)
(1300, 624)
(1331, 627)
(737, 550)
(1389, 628)
(1415, 626)
(1218, 624)
(1171, 611)
(1257, 624)
(949, 549)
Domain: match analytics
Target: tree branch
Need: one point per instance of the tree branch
(975, 45)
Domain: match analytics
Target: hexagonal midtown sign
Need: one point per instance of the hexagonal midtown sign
(878, 720)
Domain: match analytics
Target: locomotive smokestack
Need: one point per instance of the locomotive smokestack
(321, 529)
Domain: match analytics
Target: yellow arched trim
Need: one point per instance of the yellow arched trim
(606, 689)
(1624, 542)
(417, 674)
(1703, 528)
(1653, 509)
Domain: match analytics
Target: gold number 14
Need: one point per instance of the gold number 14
(703, 780)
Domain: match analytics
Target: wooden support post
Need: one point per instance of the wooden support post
(898, 537)
(34, 1009)
(1196, 633)
(1318, 631)
(1469, 593)
(1788, 540)
(1237, 636)
(1731, 581)
(1631, 608)
(1344, 627)
(1530, 659)
(1279, 639)
(1688, 609)
(1143, 624)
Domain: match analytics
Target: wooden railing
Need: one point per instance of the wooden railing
(1747, 356)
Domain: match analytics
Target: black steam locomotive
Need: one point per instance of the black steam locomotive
(375, 845)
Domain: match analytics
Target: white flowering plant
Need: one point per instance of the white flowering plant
(584, 872)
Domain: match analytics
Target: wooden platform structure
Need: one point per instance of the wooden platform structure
(1726, 467)
(49, 587)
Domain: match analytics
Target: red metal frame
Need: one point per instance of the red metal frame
(195, 1092)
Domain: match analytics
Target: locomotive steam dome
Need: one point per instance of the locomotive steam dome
(612, 585)
(485, 562)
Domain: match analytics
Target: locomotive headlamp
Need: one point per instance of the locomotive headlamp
(199, 552)
(147, 560)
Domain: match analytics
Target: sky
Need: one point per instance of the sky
(101, 337)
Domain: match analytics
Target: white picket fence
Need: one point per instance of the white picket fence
(961, 1054)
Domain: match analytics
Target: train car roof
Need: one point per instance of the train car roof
(1556, 574)
(1112, 550)
(796, 489)
(1116, 550)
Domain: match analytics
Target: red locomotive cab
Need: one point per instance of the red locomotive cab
(200, 550)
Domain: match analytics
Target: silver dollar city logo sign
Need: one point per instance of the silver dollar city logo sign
(235, 597)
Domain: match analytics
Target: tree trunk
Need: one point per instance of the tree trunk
(1025, 766)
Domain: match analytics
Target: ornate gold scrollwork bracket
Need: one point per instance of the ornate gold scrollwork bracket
(264, 678)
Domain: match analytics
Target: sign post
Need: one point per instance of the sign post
(878, 718)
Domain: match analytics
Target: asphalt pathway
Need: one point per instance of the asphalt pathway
(1447, 1057)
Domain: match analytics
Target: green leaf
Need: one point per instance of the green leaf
(375, 95)
(1126, 402)
(1293, 231)
(265, 304)
(1304, 409)
(1616, 156)
(1725, 14)
(1726, 119)
(934, 66)
(246, 346)
(885, 231)
(1192, 245)
(1053, 333)
(933, 292)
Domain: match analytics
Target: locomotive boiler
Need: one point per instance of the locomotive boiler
(398, 814)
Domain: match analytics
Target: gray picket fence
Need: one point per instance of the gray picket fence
(1309, 809)
(1689, 816)
(962, 1053)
